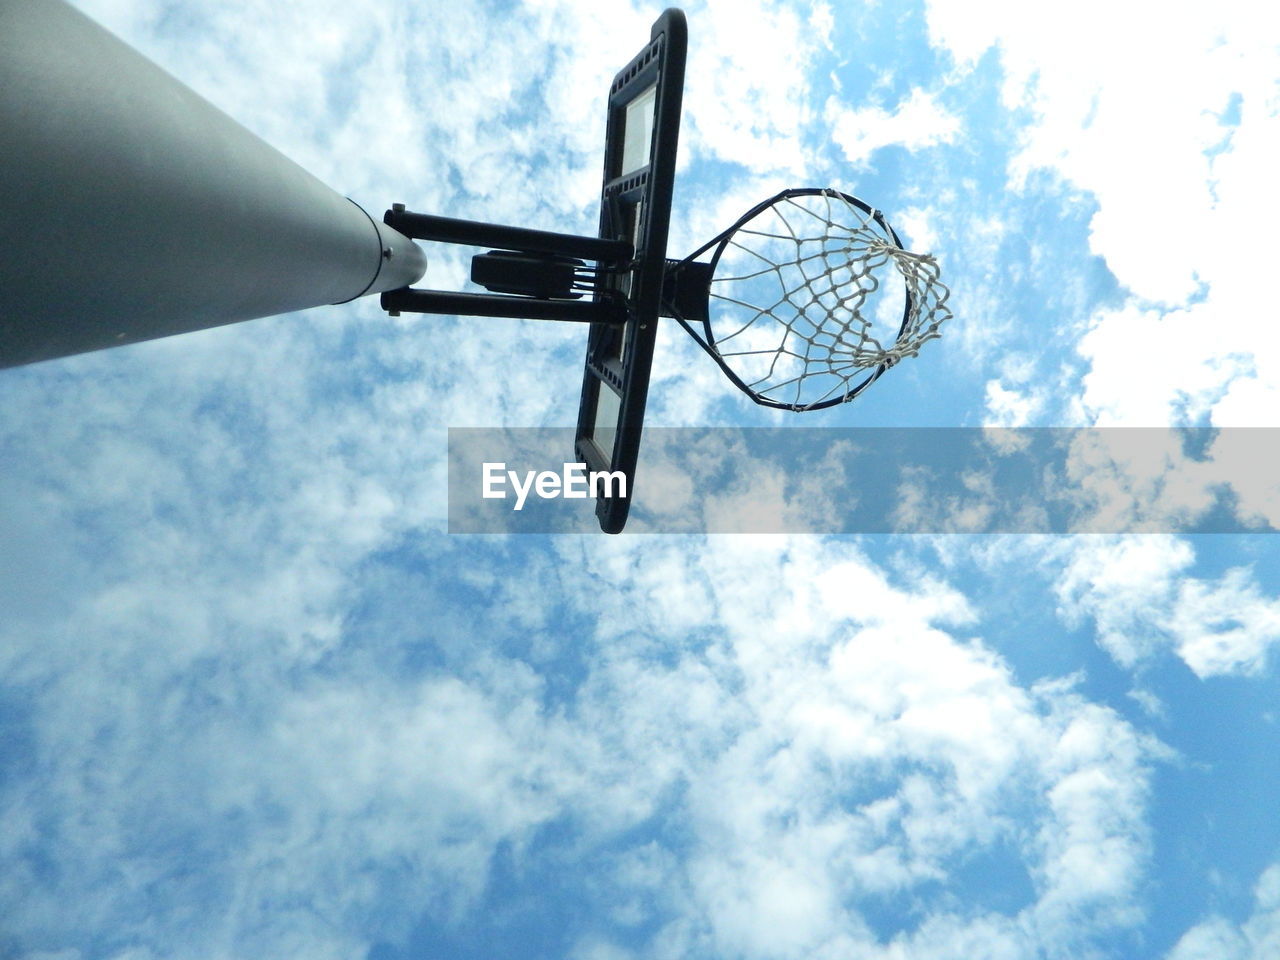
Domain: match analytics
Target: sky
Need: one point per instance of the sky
(255, 700)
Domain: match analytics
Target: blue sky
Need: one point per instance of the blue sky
(254, 700)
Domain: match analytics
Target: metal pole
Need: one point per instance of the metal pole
(134, 209)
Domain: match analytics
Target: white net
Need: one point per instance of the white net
(799, 314)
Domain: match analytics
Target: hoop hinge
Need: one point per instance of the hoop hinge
(686, 290)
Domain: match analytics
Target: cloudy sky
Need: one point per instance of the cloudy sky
(255, 701)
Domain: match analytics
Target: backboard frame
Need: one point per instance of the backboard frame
(635, 205)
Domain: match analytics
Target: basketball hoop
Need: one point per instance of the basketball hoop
(793, 305)
(798, 303)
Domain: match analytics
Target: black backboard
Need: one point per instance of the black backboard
(635, 205)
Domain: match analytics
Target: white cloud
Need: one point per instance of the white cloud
(1151, 367)
(1226, 627)
(1141, 601)
(746, 91)
(806, 727)
(1244, 456)
(916, 226)
(1096, 840)
(1150, 703)
(1137, 480)
(919, 121)
(1181, 187)
(1014, 406)
(596, 949)
(1257, 938)
(862, 752)
(1214, 939)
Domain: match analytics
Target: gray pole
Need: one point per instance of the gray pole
(130, 208)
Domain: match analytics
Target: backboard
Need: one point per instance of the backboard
(635, 205)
